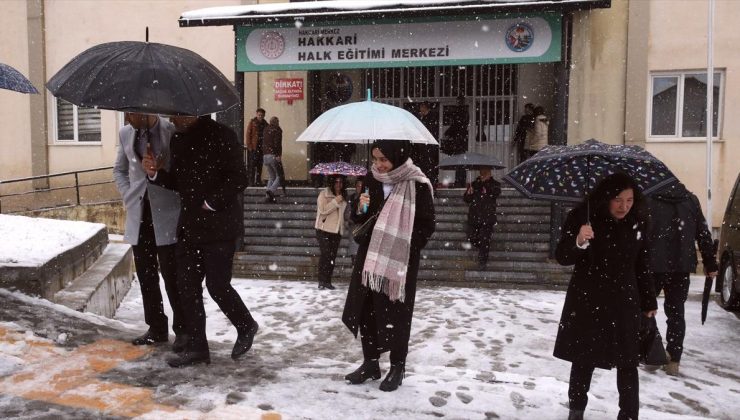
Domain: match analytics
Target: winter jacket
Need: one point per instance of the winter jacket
(255, 133)
(610, 287)
(536, 137)
(482, 202)
(677, 222)
(273, 141)
(329, 213)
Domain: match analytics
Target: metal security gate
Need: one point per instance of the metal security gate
(487, 92)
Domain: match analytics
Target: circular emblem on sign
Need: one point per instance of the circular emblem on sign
(339, 88)
(519, 37)
(272, 44)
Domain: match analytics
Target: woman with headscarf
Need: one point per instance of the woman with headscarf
(380, 300)
(330, 226)
(611, 288)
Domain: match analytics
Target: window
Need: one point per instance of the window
(679, 105)
(75, 124)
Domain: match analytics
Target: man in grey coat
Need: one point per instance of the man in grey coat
(151, 222)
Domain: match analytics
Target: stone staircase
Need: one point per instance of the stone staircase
(93, 276)
(280, 243)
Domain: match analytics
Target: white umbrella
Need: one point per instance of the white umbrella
(365, 122)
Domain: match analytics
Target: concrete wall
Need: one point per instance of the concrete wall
(664, 51)
(15, 143)
(598, 70)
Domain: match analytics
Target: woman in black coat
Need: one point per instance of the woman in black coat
(610, 288)
(382, 290)
(481, 195)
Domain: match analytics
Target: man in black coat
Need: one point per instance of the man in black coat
(677, 222)
(481, 195)
(426, 156)
(208, 172)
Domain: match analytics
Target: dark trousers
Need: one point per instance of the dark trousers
(149, 260)
(675, 287)
(628, 385)
(480, 237)
(369, 337)
(460, 178)
(328, 245)
(254, 167)
(212, 260)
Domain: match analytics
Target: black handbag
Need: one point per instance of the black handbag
(361, 231)
(652, 351)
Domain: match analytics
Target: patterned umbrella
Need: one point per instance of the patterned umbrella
(12, 79)
(338, 168)
(567, 173)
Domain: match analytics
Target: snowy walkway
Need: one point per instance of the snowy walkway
(474, 354)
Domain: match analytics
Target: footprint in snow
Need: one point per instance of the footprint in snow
(463, 397)
(517, 399)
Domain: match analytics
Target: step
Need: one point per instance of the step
(103, 286)
(58, 272)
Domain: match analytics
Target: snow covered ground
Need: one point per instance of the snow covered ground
(32, 241)
(474, 353)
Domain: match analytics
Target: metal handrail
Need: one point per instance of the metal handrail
(76, 186)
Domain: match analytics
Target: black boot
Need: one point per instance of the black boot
(329, 286)
(370, 369)
(394, 378)
(189, 358)
(575, 415)
(244, 341)
(150, 337)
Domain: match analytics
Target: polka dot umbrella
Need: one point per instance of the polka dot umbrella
(569, 173)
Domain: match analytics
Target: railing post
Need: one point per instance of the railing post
(77, 187)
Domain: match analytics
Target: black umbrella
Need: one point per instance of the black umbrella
(707, 289)
(470, 161)
(12, 79)
(144, 77)
(569, 173)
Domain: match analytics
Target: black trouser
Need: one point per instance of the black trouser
(675, 287)
(628, 385)
(369, 337)
(212, 260)
(149, 260)
(480, 237)
(328, 246)
(254, 167)
(460, 178)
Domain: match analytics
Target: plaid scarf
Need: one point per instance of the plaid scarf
(387, 257)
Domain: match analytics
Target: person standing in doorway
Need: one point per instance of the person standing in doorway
(254, 139)
(273, 149)
(208, 171)
(426, 156)
(537, 134)
(456, 141)
(524, 125)
(330, 226)
(676, 224)
(481, 195)
(151, 223)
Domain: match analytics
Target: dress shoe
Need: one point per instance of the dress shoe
(575, 415)
(370, 369)
(150, 337)
(329, 286)
(189, 358)
(394, 378)
(244, 341)
(178, 346)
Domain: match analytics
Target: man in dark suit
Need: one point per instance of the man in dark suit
(426, 156)
(208, 171)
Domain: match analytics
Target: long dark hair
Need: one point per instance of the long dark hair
(330, 184)
(609, 188)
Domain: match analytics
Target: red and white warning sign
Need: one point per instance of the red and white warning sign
(288, 90)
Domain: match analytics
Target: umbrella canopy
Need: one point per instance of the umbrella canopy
(470, 161)
(12, 79)
(144, 77)
(364, 122)
(338, 168)
(568, 173)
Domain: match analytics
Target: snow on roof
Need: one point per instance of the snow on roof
(337, 7)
